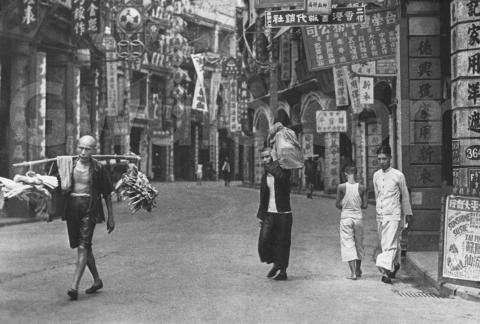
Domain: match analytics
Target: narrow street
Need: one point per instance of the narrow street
(194, 260)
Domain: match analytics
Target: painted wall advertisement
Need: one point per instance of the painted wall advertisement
(461, 248)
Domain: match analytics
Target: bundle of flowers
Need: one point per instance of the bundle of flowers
(136, 188)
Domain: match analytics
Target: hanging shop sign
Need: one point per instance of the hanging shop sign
(319, 7)
(199, 95)
(331, 45)
(353, 90)
(341, 87)
(233, 106)
(366, 90)
(291, 18)
(243, 98)
(130, 19)
(215, 82)
(29, 15)
(307, 145)
(365, 68)
(331, 121)
(86, 16)
(285, 57)
(461, 239)
(112, 83)
(230, 67)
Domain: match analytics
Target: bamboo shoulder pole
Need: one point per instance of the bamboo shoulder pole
(100, 157)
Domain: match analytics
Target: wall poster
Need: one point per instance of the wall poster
(461, 239)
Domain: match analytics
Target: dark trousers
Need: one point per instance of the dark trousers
(80, 224)
(275, 239)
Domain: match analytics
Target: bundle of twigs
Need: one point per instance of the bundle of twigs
(138, 190)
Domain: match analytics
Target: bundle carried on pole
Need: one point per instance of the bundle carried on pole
(135, 187)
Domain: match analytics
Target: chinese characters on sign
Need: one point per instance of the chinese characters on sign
(112, 86)
(331, 121)
(86, 16)
(461, 247)
(353, 90)
(366, 68)
(199, 96)
(289, 18)
(233, 103)
(366, 90)
(465, 91)
(341, 87)
(330, 45)
(29, 12)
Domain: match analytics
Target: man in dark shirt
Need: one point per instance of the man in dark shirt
(275, 216)
(89, 182)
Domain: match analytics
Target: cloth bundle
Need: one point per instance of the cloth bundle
(285, 147)
(135, 187)
(31, 187)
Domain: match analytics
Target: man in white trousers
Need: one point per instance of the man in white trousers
(394, 212)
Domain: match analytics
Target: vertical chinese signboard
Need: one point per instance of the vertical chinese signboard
(111, 75)
(422, 158)
(460, 255)
(86, 16)
(341, 87)
(465, 64)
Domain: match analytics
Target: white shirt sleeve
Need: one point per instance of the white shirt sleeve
(406, 207)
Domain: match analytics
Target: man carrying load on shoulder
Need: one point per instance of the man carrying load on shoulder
(89, 182)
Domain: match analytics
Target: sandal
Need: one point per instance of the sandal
(73, 293)
(94, 288)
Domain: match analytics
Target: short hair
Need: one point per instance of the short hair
(350, 169)
(384, 150)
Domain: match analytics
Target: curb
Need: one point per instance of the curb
(444, 289)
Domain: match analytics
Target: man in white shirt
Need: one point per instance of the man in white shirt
(393, 212)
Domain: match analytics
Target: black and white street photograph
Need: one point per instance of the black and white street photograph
(239, 161)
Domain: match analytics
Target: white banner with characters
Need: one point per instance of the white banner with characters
(461, 249)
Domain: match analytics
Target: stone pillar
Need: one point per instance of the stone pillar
(422, 57)
(465, 100)
(19, 99)
(77, 105)
(36, 131)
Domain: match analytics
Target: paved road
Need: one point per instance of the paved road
(194, 260)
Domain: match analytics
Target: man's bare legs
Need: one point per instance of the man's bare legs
(93, 267)
(80, 266)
